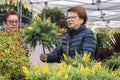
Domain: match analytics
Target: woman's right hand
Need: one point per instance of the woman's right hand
(43, 57)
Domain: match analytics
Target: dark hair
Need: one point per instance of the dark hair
(80, 11)
(7, 14)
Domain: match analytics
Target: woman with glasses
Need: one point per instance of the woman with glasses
(78, 38)
(11, 21)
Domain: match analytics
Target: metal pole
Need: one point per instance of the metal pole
(20, 12)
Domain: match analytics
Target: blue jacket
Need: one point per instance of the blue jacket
(80, 40)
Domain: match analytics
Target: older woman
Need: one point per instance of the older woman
(11, 21)
(78, 38)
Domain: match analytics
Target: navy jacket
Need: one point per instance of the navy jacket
(80, 40)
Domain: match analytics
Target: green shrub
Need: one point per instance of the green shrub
(42, 32)
(85, 69)
(12, 55)
(114, 62)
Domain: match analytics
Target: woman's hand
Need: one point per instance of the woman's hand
(43, 57)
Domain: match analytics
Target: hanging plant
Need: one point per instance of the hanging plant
(41, 32)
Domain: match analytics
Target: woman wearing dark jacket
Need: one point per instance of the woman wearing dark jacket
(78, 38)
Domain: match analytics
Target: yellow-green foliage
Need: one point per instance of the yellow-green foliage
(85, 69)
(12, 54)
(109, 31)
(42, 32)
(103, 35)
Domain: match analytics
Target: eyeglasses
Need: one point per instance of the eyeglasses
(12, 22)
(71, 18)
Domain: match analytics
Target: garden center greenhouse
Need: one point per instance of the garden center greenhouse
(29, 39)
(100, 12)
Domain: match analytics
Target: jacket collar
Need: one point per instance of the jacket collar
(73, 32)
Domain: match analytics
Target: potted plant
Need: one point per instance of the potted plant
(42, 32)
